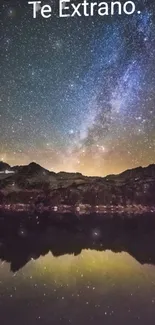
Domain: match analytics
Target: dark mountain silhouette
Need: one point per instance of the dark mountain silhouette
(30, 170)
(35, 184)
(4, 166)
(138, 172)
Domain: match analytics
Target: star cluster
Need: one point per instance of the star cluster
(77, 94)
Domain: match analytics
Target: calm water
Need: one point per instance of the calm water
(53, 276)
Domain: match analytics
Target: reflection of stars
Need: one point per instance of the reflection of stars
(22, 232)
(96, 233)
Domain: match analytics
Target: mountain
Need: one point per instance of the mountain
(30, 170)
(138, 172)
(33, 184)
(4, 166)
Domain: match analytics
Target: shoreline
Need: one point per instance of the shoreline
(79, 209)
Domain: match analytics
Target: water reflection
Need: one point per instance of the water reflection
(89, 274)
(35, 236)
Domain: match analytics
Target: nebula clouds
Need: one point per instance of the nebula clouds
(78, 94)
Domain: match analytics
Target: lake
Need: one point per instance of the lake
(102, 273)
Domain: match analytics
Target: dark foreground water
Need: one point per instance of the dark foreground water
(96, 271)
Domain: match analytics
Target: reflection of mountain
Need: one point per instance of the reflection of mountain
(35, 185)
(32, 236)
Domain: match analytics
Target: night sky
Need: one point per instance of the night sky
(77, 94)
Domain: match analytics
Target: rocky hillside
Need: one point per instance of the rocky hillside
(36, 185)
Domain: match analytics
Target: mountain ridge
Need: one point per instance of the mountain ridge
(33, 184)
(35, 166)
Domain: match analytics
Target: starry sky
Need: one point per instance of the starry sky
(77, 94)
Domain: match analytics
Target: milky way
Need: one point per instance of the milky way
(77, 94)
